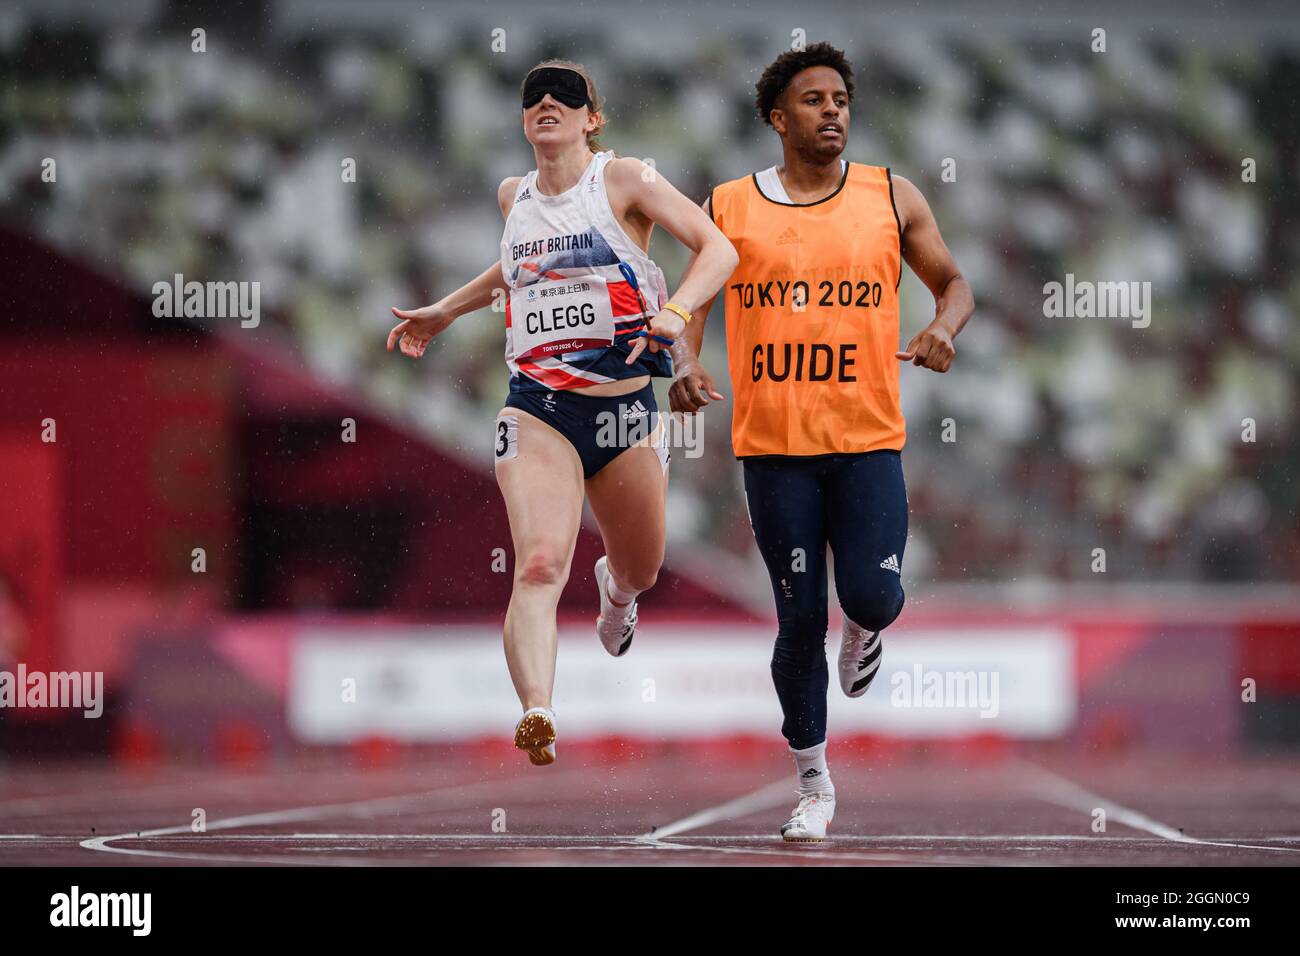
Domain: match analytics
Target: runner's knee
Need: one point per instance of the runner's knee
(800, 648)
(875, 601)
(541, 566)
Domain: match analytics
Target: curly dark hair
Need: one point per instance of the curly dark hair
(783, 69)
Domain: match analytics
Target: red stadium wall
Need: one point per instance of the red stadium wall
(31, 548)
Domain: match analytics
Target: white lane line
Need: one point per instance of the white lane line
(370, 806)
(1063, 792)
(841, 839)
(826, 852)
(615, 838)
(485, 837)
(764, 798)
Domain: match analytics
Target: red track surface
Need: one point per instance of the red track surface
(587, 810)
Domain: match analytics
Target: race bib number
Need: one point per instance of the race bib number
(555, 316)
(507, 438)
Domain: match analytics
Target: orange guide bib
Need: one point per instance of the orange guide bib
(812, 317)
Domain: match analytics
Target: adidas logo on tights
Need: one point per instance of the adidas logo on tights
(890, 563)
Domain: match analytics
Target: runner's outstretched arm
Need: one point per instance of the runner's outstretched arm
(418, 326)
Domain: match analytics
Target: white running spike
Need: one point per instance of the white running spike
(811, 817)
(616, 625)
(861, 652)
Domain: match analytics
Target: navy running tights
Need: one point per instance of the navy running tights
(856, 504)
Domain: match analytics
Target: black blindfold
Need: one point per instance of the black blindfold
(565, 86)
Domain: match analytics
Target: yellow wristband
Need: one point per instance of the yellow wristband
(674, 307)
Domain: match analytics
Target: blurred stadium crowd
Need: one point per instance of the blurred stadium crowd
(1071, 433)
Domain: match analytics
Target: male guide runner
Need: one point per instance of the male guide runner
(812, 323)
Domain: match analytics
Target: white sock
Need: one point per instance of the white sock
(617, 594)
(810, 767)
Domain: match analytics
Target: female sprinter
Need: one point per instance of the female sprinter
(588, 324)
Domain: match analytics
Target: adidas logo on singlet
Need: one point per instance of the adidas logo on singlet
(788, 237)
(526, 194)
(891, 563)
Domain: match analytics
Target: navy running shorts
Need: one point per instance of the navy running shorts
(600, 428)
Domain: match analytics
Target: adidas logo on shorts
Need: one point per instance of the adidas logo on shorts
(891, 563)
(634, 411)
